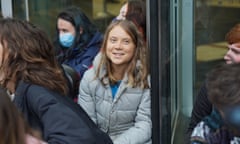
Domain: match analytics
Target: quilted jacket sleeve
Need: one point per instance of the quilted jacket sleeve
(85, 99)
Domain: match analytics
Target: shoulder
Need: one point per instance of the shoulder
(24, 87)
(98, 36)
(35, 95)
(89, 74)
(96, 40)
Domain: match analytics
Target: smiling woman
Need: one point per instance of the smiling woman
(115, 92)
(120, 50)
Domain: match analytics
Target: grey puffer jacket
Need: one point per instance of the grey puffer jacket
(126, 118)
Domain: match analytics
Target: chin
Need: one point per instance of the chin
(229, 62)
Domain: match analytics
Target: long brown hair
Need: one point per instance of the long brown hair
(13, 128)
(137, 70)
(136, 12)
(28, 55)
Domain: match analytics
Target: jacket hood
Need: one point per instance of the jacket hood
(97, 39)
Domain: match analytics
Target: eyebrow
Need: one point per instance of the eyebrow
(235, 49)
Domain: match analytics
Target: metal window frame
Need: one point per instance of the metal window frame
(158, 30)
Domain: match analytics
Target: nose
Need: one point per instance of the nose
(118, 45)
(227, 54)
(60, 32)
(229, 49)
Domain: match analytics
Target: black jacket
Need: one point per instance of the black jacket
(60, 120)
(201, 108)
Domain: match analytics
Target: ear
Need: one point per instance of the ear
(80, 30)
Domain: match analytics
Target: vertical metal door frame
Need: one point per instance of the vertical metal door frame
(6, 7)
(158, 42)
(27, 10)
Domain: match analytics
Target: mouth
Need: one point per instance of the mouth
(118, 54)
(228, 61)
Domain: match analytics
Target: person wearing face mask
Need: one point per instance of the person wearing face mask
(222, 126)
(78, 40)
(202, 106)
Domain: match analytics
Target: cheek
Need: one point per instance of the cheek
(132, 50)
(237, 58)
(131, 53)
(1, 56)
(108, 50)
(231, 55)
(73, 33)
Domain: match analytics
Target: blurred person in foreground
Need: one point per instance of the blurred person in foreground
(37, 86)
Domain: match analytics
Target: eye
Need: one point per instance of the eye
(236, 51)
(113, 40)
(65, 31)
(126, 42)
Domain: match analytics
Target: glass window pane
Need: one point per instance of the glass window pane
(44, 12)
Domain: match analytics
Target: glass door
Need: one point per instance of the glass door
(198, 30)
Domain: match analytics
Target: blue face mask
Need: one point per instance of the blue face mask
(66, 39)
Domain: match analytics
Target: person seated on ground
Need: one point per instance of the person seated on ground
(36, 82)
(78, 40)
(115, 92)
(135, 11)
(13, 128)
(202, 106)
(222, 126)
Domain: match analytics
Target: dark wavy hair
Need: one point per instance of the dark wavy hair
(137, 70)
(28, 55)
(223, 84)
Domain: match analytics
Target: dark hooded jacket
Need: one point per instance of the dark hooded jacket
(59, 120)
